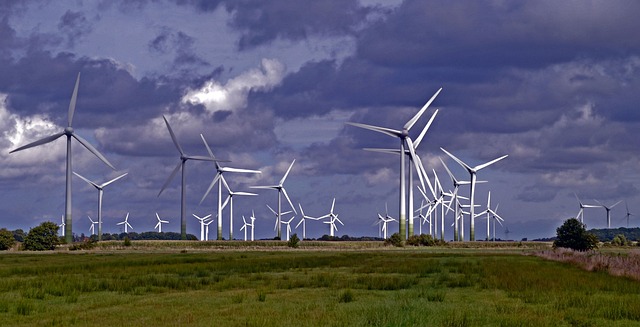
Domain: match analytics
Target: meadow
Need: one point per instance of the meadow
(307, 287)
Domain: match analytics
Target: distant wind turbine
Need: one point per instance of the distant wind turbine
(332, 219)
(629, 214)
(69, 133)
(303, 221)
(472, 172)
(181, 166)
(126, 224)
(219, 174)
(159, 224)
(281, 190)
(229, 199)
(580, 214)
(100, 188)
(202, 225)
(92, 228)
(608, 209)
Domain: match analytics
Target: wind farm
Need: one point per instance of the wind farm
(376, 163)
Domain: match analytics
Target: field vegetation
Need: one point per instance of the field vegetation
(297, 287)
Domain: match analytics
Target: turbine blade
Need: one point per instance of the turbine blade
(287, 174)
(391, 151)
(38, 142)
(240, 170)
(611, 207)
(224, 182)
(476, 168)
(417, 116)
(93, 150)
(88, 181)
(173, 174)
(426, 177)
(464, 165)
(424, 130)
(173, 136)
(274, 212)
(72, 103)
(244, 193)
(383, 130)
(333, 204)
(213, 182)
(226, 201)
(289, 200)
(453, 179)
(113, 180)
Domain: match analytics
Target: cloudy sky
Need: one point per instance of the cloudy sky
(553, 84)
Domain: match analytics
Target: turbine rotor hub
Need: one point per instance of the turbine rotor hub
(68, 131)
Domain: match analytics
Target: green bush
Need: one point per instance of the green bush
(394, 240)
(42, 237)
(6, 239)
(127, 241)
(423, 240)
(620, 240)
(573, 235)
(293, 241)
(87, 244)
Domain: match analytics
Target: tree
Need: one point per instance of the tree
(573, 235)
(42, 237)
(293, 241)
(6, 239)
(620, 240)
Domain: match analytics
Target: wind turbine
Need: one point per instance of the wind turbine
(244, 227)
(202, 225)
(629, 214)
(275, 226)
(159, 224)
(230, 201)
(472, 172)
(69, 133)
(458, 227)
(281, 190)
(303, 221)
(219, 172)
(403, 135)
(288, 223)
(181, 166)
(490, 212)
(126, 224)
(332, 219)
(580, 214)
(385, 221)
(206, 229)
(608, 209)
(92, 229)
(62, 226)
(100, 188)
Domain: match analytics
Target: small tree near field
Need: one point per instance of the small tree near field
(573, 235)
(6, 239)
(42, 237)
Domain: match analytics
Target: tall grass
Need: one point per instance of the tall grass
(313, 288)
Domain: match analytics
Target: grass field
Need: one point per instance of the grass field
(397, 287)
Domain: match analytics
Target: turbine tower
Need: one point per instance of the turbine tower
(281, 190)
(181, 166)
(100, 188)
(472, 172)
(219, 172)
(69, 133)
(403, 135)
(608, 209)
(203, 225)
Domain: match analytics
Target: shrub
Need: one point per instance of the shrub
(42, 237)
(127, 241)
(293, 241)
(346, 297)
(394, 240)
(6, 239)
(620, 240)
(87, 244)
(573, 235)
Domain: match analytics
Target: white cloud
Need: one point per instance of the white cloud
(233, 95)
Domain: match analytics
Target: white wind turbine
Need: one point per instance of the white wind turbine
(303, 221)
(181, 166)
(414, 161)
(608, 209)
(275, 226)
(580, 214)
(62, 226)
(229, 200)
(244, 227)
(206, 229)
(489, 213)
(385, 221)
(629, 214)
(219, 173)
(69, 133)
(332, 219)
(92, 228)
(126, 224)
(202, 225)
(458, 233)
(472, 172)
(281, 190)
(100, 188)
(160, 222)
(403, 135)
(288, 223)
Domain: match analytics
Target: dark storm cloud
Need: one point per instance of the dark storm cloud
(179, 44)
(74, 25)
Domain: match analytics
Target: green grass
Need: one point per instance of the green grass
(404, 287)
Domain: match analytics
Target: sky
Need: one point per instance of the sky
(553, 84)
